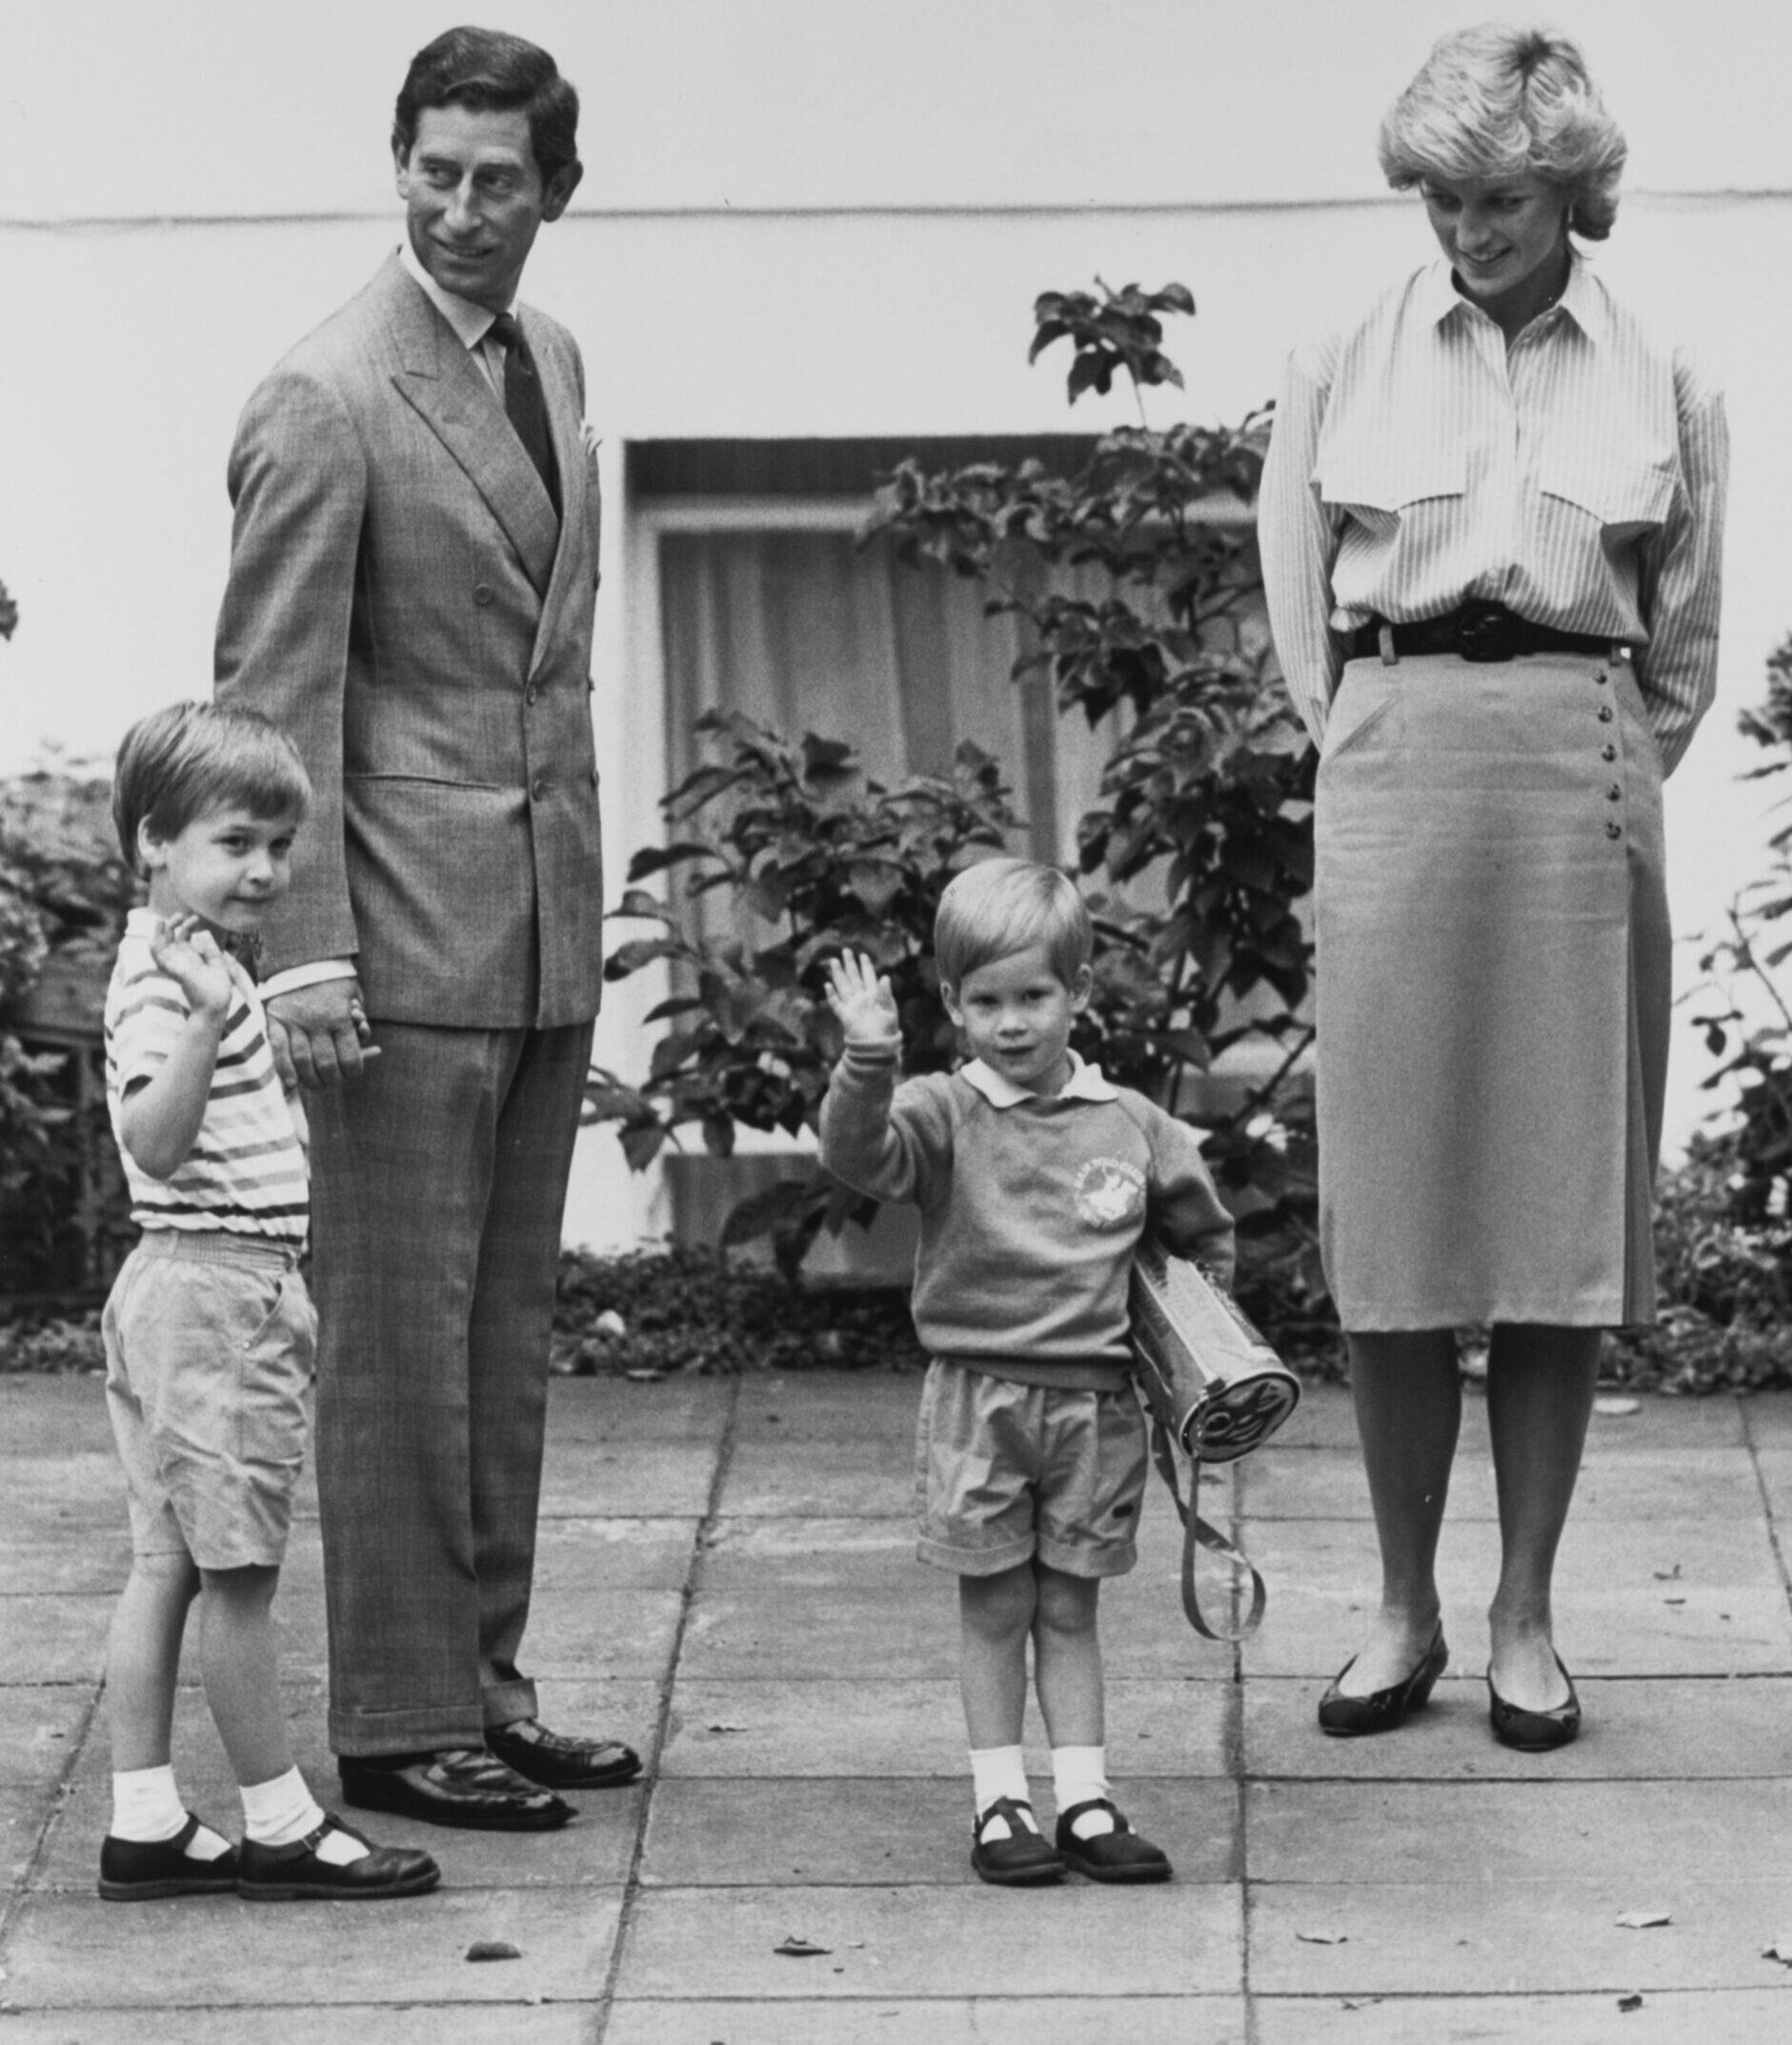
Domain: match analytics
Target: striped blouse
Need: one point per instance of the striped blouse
(1577, 477)
(245, 1172)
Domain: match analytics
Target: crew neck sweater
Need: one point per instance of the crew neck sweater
(1031, 1207)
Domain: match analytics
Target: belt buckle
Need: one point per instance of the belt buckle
(1486, 632)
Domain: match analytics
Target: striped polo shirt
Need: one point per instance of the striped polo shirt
(1577, 477)
(245, 1172)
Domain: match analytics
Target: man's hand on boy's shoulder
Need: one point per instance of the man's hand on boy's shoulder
(861, 998)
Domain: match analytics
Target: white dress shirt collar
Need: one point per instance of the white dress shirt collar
(1084, 1083)
(470, 323)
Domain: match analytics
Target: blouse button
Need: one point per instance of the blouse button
(1614, 794)
(1608, 752)
(1600, 674)
(483, 593)
(1613, 830)
(1606, 713)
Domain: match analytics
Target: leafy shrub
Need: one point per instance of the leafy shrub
(1201, 836)
(658, 1311)
(63, 895)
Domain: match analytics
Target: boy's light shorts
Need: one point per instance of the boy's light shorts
(209, 1345)
(1006, 1471)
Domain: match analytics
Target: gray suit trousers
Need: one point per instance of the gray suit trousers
(439, 1191)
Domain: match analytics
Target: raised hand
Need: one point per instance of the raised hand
(188, 953)
(860, 997)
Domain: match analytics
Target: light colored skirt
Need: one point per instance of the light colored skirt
(1493, 993)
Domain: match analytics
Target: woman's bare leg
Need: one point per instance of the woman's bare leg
(1408, 1398)
(1540, 1396)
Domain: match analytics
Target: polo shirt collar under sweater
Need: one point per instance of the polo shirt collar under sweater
(1084, 1083)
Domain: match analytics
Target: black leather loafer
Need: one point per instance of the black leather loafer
(139, 1870)
(1119, 1855)
(462, 1786)
(1534, 1732)
(559, 1763)
(294, 1874)
(1382, 1711)
(1023, 1859)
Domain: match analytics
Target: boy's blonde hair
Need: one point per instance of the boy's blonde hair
(180, 761)
(1000, 906)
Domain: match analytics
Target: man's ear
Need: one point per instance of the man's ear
(401, 166)
(560, 190)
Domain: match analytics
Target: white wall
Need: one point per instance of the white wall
(1008, 148)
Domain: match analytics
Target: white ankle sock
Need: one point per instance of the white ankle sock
(999, 1771)
(1079, 1776)
(146, 1807)
(282, 1811)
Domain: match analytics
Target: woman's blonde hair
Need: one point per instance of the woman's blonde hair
(1500, 101)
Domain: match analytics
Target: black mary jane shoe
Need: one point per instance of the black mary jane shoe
(1534, 1732)
(1119, 1855)
(297, 1873)
(139, 1870)
(1023, 1859)
(1382, 1711)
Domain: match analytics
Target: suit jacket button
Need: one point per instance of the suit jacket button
(539, 787)
(594, 777)
(532, 692)
(482, 594)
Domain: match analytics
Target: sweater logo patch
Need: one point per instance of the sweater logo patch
(1110, 1192)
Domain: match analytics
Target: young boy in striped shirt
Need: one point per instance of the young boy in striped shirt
(209, 1330)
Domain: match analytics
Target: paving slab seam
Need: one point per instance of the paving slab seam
(631, 1889)
(1778, 1540)
(35, 1859)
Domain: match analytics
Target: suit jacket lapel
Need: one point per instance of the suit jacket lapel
(568, 453)
(437, 377)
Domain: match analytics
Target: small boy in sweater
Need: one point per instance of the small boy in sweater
(1035, 1179)
(209, 1330)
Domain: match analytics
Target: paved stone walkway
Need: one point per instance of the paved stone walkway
(725, 1577)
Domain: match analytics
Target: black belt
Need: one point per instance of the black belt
(1476, 632)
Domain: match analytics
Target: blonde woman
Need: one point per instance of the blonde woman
(1491, 520)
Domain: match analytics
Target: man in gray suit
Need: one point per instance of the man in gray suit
(413, 576)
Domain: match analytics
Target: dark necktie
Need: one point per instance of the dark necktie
(523, 400)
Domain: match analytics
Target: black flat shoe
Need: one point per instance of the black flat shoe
(1021, 1860)
(1119, 1855)
(139, 1870)
(294, 1874)
(1534, 1732)
(1382, 1711)
(463, 1786)
(559, 1763)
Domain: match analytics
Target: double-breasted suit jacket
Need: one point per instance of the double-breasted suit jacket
(404, 602)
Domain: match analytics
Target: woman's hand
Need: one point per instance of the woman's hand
(860, 997)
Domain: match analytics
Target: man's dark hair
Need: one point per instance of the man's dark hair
(486, 70)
